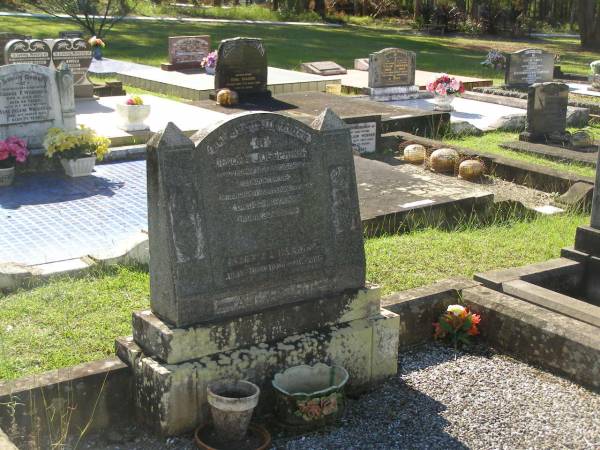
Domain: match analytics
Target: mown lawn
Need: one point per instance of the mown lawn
(288, 46)
(73, 321)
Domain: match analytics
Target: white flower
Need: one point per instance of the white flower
(456, 309)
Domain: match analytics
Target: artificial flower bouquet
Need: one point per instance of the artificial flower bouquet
(445, 85)
(96, 42)
(209, 61)
(79, 143)
(12, 150)
(134, 100)
(495, 59)
(457, 324)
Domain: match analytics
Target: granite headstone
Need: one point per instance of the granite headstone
(242, 67)
(547, 105)
(255, 212)
(392, 67)
(323, 68)
(5, 38)
(186, 52)
(77, 54)
(34, 98)
(529, 66)
(32, 51)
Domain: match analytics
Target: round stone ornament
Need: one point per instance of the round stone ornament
(582, 138)
(443, 160)
(471, 170)
(227, 97)
(415, 154)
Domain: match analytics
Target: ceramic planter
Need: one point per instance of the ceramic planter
(443, 102)
(79, 167)
(209, 70)
(132, 117)
(232, 403)
(7, 176)
(309, 397)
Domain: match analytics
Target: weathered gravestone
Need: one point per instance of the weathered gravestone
(529, 66)
(186, 52)
(256, 264)
(77, 54)
(323, 68)
(33, 99)
(547, 105)
(32, 51)
(361, 64)
(242, 67)
(392, 75)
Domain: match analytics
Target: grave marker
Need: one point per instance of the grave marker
(186, 52)
(77, 54)
(323, 68)
(5, 38)
(529, 66)
(70, 34)
(33, 99)
(392, 75)
(365, 132)
(547, 105)
(242, 67)
(32, 51)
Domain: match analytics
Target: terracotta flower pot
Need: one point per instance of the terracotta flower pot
(232, 403)
(132, 117)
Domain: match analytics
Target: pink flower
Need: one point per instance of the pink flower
(441, 89)
(4, 151)
(15, 148)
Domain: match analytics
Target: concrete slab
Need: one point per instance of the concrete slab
(50, 217)
(553, 152)
(482, 115)
(359, 79)
(197, 85)
(101, 116)
(582, 89)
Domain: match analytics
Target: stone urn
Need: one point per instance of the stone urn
(309, 397)
(443, 102)
(78, 167)
(7, 176)
(415, 154)
(132, 117)
(443, 160)
(232, 403)
(471, 170)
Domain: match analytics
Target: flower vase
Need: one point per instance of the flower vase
(132, 117)
(209, 70)
(97, 53)
(443, 102)
(78, 167)
(7, 176)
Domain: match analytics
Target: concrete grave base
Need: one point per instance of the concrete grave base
(587, 240)
(171, 398)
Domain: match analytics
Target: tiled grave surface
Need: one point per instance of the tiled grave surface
(49, 217)
(482, 115)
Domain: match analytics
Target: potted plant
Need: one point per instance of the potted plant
(77, 149)
(445, 88)
(12, 150)
(209, 62)
(132, 114)
(97, 45)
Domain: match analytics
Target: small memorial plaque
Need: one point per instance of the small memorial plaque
(323, 68)
(28, 52)
(70, 35)
(242, 66)
(547, 105)
(76, 53)
(364, 136)
(529, 66)
(257, 212)
(188, 50)
(392, 67)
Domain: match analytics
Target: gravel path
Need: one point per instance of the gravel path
(443, 399)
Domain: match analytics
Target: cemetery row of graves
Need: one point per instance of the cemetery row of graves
(219, 252)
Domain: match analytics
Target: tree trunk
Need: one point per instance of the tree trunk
(589, 24)
(320, 7)
(417, 8)
(474, 9)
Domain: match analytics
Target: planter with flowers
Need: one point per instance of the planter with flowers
(445, 88)
(457, 325)
(495, 59)
(77, 149)
(132, 114)
(97, 45)
(209, 63)
(12, 150)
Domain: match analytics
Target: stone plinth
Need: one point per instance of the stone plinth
(171, 398)
(389, 94)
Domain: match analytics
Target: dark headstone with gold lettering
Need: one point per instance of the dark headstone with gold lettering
(77, 54)
(547, 113)
(392, 75)
(32, 51)
(257, 212)
(242, 67)
(5, 38)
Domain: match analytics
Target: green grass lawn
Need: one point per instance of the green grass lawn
(288, 46)
(73, 321)
(490, 143)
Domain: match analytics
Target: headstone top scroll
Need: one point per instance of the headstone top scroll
(259, 211)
